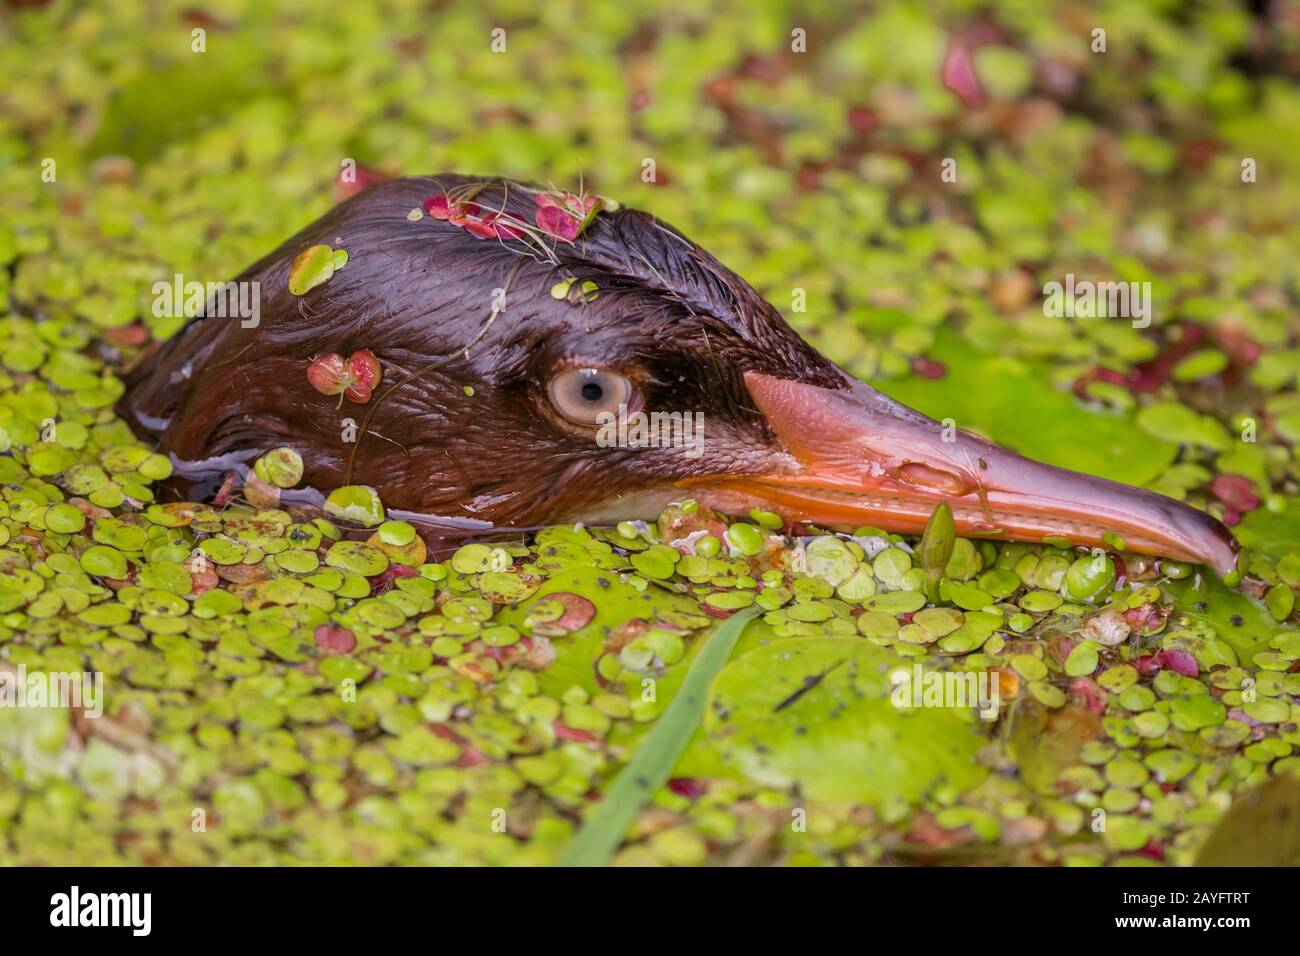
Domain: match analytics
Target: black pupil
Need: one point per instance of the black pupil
(592, 392)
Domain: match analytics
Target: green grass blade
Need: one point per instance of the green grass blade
(658, 753)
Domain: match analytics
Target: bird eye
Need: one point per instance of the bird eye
(582, 394)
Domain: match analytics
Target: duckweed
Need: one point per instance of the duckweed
(745, 539)
(333, 689)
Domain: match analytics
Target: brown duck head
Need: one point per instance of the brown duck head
(505, 384)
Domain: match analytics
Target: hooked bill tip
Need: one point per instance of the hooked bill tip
(863, 457)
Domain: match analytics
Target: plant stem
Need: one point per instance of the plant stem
(603, 831)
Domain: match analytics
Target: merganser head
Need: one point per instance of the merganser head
(523, 373)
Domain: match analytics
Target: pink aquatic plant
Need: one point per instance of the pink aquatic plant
(355, 377)
(471, 217)
(565, 215)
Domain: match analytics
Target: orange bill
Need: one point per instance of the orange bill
(857, 457)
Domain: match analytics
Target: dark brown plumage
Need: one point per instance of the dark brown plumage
(688, 333)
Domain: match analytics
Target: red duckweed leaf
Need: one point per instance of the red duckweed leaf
(326, 372)
(471, 758)
(863, 120)
(1148, 665)
(470, 217)
(928, 368)
(502, 228)
(479, 227)
(128, 335)
(1180, 662)
(440, 206)
(1235, 491)
(572, 203)
(355, 377)
(1198, 152)
(689, 787)
(1148, 619)
(1152, 850)
(578, 611)
(363, 374)
(1088, 693)
(383, 581)
(557, 223)
(566, 215)
(958, 74)
(565, 732)
(335, 638)
(958, 71)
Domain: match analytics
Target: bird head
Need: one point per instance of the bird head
(533, 375)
